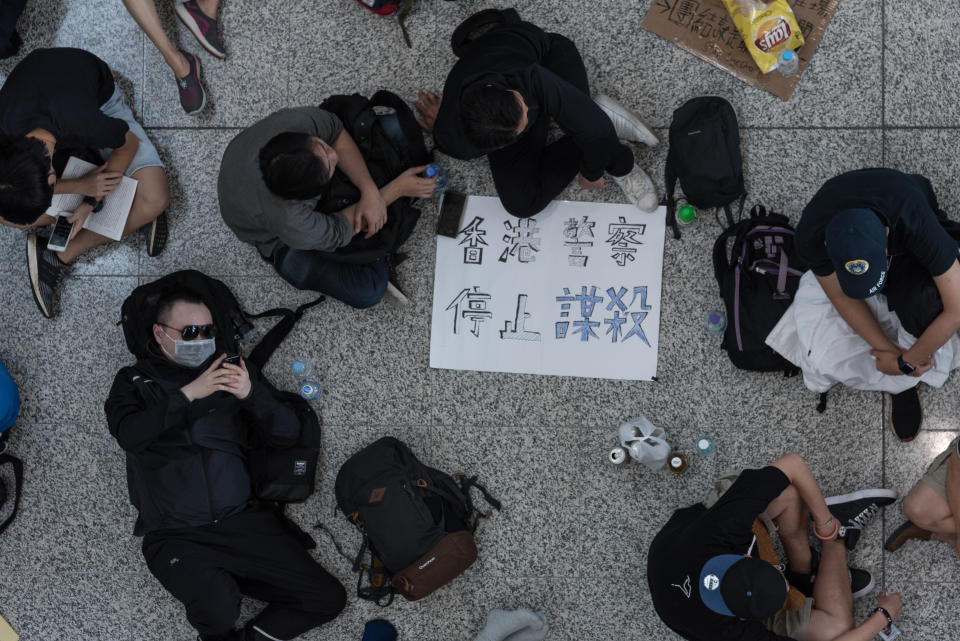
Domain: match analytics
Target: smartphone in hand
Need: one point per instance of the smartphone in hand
(61, 234)
(233, 359)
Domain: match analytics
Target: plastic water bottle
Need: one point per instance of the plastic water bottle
(443, 178)
(788, 64)
(310, 391)
(302, 368)
(686, 214)
(716, 321)
(704, 445)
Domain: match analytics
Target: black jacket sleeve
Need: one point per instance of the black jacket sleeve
(276, 421)
(579, 117)
(139, 410)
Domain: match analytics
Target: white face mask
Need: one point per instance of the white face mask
(191, 353)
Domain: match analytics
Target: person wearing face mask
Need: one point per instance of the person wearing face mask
(711, 568)
(182, 416)
(499, 99)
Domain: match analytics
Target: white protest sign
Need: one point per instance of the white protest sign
(572, 291)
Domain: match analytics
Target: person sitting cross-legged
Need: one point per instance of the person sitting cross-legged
(714, 573)
(62, 102)
(183, 417)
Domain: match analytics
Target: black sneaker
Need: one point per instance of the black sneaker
(861, 582)
(157, 235)
(906, 415)
(855, 510)
(46, 272)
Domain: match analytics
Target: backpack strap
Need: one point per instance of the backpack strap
(405, 7)
(17, 479)
(822, 404)
(466, 483)
(743, 199)
(408, 125)
(721, 255)
(670, 180)
(269, 343)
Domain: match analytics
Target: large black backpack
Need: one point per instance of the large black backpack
(364, 120)
(705, 157)
(758, 278)
(283, 475)
(416, 521)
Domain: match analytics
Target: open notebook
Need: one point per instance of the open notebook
(110, 220)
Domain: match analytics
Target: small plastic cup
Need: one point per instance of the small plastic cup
(686, 214)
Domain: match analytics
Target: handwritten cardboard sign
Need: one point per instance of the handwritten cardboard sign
(705, 29)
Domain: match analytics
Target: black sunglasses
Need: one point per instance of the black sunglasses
(190, 332)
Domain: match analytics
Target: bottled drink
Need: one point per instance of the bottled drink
(678, 463)
(443, 178)
(686, 214)
(704, 445)
(310, 391)
(788, 64)
(302, 368)
(716, 321)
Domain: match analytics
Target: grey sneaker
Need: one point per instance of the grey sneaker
(628, 124)
(204, 28)
(392, 287)
(46, 272)
(193, 97)
(638, 188)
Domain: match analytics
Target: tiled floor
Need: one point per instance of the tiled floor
(572, 540)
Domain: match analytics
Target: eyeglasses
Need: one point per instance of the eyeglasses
(190, 332)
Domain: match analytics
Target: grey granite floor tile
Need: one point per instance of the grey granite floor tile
(928, 152)
(326, 57)
(199, 239)
(905, 464)
(919, 80)
(65, 366)
(64, 23)
(654, 77)
(241, 89)
(928, 614)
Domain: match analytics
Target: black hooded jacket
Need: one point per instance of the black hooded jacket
(186, 463)
(513, 57)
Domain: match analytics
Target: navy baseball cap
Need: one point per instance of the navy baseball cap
(857, 246)
(742, 586)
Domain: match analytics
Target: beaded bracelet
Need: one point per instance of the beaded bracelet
(884, 612)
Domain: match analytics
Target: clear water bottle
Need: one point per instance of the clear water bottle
(788, 64)
(310, 391)
(443, 178)
(301, 368)
(704, 445)
(716, 321)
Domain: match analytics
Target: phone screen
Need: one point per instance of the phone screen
(451, 209)
(61, 234)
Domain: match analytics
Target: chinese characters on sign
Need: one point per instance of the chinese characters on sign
(522, 240)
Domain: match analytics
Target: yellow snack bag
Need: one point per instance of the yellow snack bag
(766, 28)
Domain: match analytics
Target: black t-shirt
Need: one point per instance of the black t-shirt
(905, 203)
(61, 90)
(694, 535)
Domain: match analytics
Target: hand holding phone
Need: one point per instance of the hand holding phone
(62, 233)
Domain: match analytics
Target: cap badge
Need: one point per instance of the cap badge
(857, 267)
(711, 582)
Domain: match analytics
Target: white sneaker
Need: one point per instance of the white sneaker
(394, 291)
(628, 124)
(638, 188)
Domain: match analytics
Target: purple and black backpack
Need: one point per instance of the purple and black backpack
(758, 277)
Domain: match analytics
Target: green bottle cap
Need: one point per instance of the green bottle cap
(686, 214)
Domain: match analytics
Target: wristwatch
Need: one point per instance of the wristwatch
(93, 202)
(904, 366)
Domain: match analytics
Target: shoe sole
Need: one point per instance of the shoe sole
(33, 263)
(890, 422)
(397, 294)
(865, 590)
(191, 24)
(608, 103)
(876, 493)
(153, 229)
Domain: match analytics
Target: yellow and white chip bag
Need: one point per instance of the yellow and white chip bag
(767, 29)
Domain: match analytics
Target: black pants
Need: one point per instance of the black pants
(530, 173)
(252, 553)
(9, 14)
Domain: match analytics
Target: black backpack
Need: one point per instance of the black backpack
(284, 475)
(758, 279)
(416, 521)
(385, 159)
(705, 157)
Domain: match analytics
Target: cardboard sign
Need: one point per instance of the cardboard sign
(572, 291)
(705, 29)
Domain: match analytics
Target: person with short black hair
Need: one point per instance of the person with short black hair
(62, 102)
(714, 573)
(859, 233)
(933, 505)
(273, 178)
(499, 100)
(183, 417)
